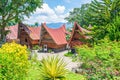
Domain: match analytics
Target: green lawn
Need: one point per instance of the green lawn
(34, 72)
(73, 76)
(71, 55)
(68, 54)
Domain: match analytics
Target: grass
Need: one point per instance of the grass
(34, 74)
(73, 76)
(69, 54)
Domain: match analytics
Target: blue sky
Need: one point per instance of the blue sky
(54, 11)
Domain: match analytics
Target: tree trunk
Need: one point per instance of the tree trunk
(2, 32)
(2, 35)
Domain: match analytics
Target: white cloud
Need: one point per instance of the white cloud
(48, 15)
(44, 10)
(59, 9)
(85, 1)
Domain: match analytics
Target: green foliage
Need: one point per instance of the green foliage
(102, 13)
(53, 68)
(13, 10)
(34, 69)
(13, 62)
(68, 37)
(50, 50)
(34, 58)
(72, 55)
(34, 73)
(69, 54)
(36, 47)
(101, 61)
(114, 29)
(36, 24)
(78, 15)
(73, 76)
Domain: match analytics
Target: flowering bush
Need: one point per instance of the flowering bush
(101, 62)
(13, 61)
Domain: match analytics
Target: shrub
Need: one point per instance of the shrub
(53, 68)
(101, 61)
(13, 61)
(69, 54)
(50, 50)
(36, 47)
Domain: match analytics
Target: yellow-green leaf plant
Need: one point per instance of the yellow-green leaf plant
(13, 61)
(53, 68)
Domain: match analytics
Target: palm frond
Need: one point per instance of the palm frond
(53, 68)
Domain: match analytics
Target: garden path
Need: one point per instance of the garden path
(68, 60)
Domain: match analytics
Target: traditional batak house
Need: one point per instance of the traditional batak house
(29, 36)
(54, 39)
(78, 35)
(13, 34)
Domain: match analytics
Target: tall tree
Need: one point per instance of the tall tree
(78, 15)
(104, 14)
(15, 10)
(36, 24)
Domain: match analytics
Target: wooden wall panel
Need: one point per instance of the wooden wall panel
(52, 45)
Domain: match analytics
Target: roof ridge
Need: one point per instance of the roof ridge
(54, 34)
(73, 30)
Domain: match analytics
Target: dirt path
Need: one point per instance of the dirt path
(68, 60)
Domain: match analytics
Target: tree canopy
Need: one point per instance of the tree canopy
(103, 15)
(78, 15)
(16, 10)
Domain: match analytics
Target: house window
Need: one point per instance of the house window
(23, 30)
(26, 40)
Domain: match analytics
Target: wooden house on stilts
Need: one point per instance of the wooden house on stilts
(49, 38)
(78, 35)
(13, 33)
(29, 36)
(54, 39)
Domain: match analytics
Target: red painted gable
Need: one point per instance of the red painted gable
(13, 32)
(34, 33)
(58, 35)
(80, 29)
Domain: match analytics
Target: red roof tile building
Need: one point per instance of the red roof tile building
(77, 35)
(29, 36)
(13, 34)
(54, 39)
